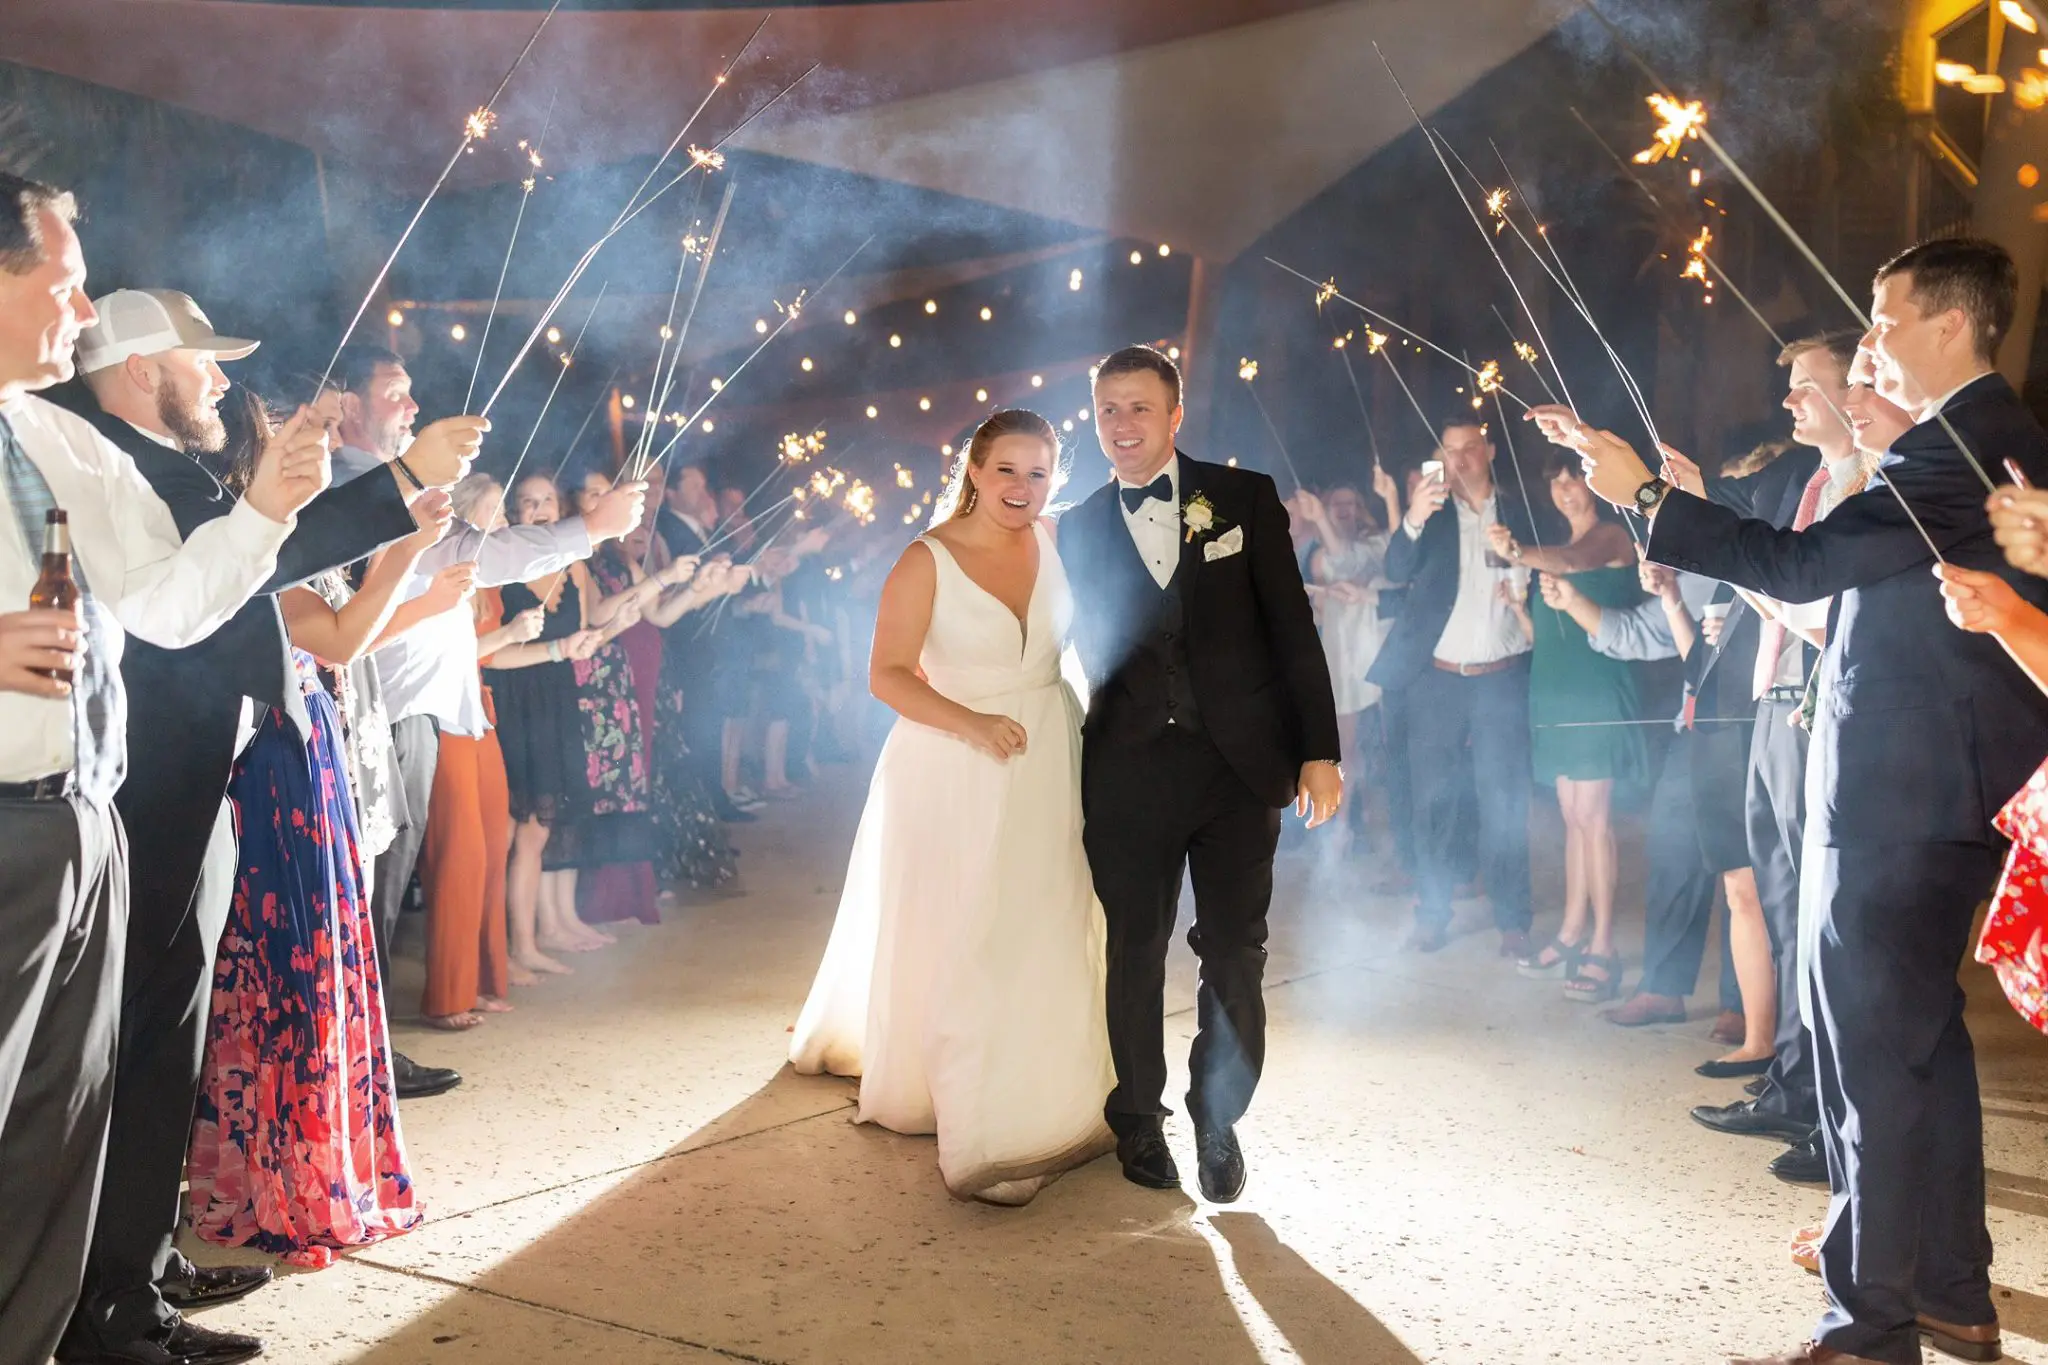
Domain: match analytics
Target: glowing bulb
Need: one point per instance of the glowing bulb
(717, 384)
(1037, 381)
(981, 395)
(709, 426)
(1165, 250)
(1232, 462)
(1074, 280)
(851, 317)
(871, 411)
(807, 364)
(458, 331)
(2018, 16)
(931, 305)
(946, 450)
(626, 401)
(395, 318)
(1173, 353)
(1137, 258)
(554, 336)
(760, 325)
(1082, 414)
(1953, 73)
(988, 314)
(895, 341)
(924, 405)
(1067, 425)
(667, 332)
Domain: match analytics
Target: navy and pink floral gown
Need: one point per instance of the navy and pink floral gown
(296, 1148)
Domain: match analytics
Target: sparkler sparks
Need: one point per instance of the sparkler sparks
(797, 449)
(478, 125)
(1488, 377)
(794, 308)
(904, 478)
(1497, 209)
(860, 501)
(1696, 260)
(709, 160)
(1326, 291)
(1526, 352)
(1375, 342)
(1247, 370)
(1681, 121)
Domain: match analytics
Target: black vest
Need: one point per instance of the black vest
(1157, 681)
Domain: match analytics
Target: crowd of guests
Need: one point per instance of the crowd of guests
(362, 679)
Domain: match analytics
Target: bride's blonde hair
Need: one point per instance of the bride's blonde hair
(960, 496)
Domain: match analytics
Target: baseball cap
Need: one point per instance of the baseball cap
(150, 322)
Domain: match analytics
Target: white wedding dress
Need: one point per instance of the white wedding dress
(963, 981)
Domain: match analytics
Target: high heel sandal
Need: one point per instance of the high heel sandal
(1592, 990)
(1565, 961)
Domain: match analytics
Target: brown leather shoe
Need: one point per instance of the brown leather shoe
(1640, 1009)
(1728, 1028)
(1964, 1343)
(1812, 1353)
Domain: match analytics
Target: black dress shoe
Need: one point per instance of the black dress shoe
(1744, 1119)
(1219, 1164)
(181, 1343)
(1728, 1071)
(415, 1082)
(1147, 1161)
(1756, 1087)
(212, 1286)
(1803, 1163)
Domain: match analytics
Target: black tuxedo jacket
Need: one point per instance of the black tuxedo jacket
(1260, 677)
(1771, 494)
(184, 704)
(1923, 731)
(1428, 565)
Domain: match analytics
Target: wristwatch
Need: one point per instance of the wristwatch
(1651, 496)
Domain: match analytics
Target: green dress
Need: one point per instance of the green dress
(1572, 690)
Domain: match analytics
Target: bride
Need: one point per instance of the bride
(963, 980)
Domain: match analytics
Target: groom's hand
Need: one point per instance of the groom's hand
(1320, 793)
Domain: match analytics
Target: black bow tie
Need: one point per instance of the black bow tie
(1160, 488)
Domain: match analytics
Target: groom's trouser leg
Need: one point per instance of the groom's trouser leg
(1138, 809)
(1230, 858)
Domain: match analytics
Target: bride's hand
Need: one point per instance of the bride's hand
(997, 736)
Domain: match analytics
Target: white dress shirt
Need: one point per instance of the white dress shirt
(1482, 628)
(1155, 526)
(165, 591)
(1846, 478)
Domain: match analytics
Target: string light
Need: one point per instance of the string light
(395, 318)
(807, 364)
(554, 336)
(895, 341)
(761, 326)
(458, 331)
(851, 317)
(1037, 381)
(988, 314)
(717, 384)
(626, 401)
(1173, 353)
(924, 405)
(981, 395)
(946, 449)
(1067, 425)
(667, 332)
(1165, 250)
(871, 412)
(1074, 280)
(931, 306)
(709, 426)
(1137, 258)
(1083, 414)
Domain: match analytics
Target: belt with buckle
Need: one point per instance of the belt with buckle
(55, 787)
(1476, 670)
(1786, 692)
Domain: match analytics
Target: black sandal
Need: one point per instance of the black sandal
(1564, 961)
(1592, 990)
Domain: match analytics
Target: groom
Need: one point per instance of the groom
(1209, 711)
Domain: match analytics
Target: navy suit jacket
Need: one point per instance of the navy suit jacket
(1260, 676)
(1771, 494)
(1428, 565)
(1922, 731)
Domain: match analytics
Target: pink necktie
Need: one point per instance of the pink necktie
(1772, 641)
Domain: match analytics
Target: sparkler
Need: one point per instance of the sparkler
(1326, 291)
(1680, 121)
(474, 129)
(707, 160)
(533, 159)
(1799, 243)
(1364, 415)
(1696, 261)
(710, 251)
(1379, 317)
(1248, 370)
(1524, 352)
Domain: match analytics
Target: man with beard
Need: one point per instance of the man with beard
(153, 386)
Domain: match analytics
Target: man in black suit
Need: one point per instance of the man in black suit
(1919, 736)
(1462, 659)
(1209, 711)
(152, 385)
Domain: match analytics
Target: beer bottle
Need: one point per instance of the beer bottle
(55, 587)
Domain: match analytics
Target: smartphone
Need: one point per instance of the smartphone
(1433, 469)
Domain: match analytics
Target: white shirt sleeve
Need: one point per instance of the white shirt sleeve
(510, 554)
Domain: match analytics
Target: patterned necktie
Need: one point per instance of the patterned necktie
(99, 708)
(1771, 638)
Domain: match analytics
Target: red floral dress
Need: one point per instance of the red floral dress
(296, 1148)
(2015, 941)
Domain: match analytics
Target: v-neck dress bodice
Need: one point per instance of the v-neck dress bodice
(977, 649)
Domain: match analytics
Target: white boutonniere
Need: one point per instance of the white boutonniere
(1198, 516)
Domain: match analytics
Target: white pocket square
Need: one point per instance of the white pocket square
(1224, 546)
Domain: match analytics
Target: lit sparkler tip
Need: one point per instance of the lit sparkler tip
(528, 184)
(709, 160)
(1526, 351)
(478, 125)
(794, 308)
(1497, 203)
(1247, 370)
(1375, 341)
(1488, 378)
(1325, 291)
(1680, 121)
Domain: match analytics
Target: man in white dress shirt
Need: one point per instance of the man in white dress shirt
(63, 882)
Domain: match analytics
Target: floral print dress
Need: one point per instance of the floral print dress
(2015, 940)
(296, 1148)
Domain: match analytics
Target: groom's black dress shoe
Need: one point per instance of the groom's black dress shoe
(212, 1286)
(415, 1082)
(179, 1343)
(1744, 1119)
(1147, 1161)
(1803, 1163)
(1220, 1165)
